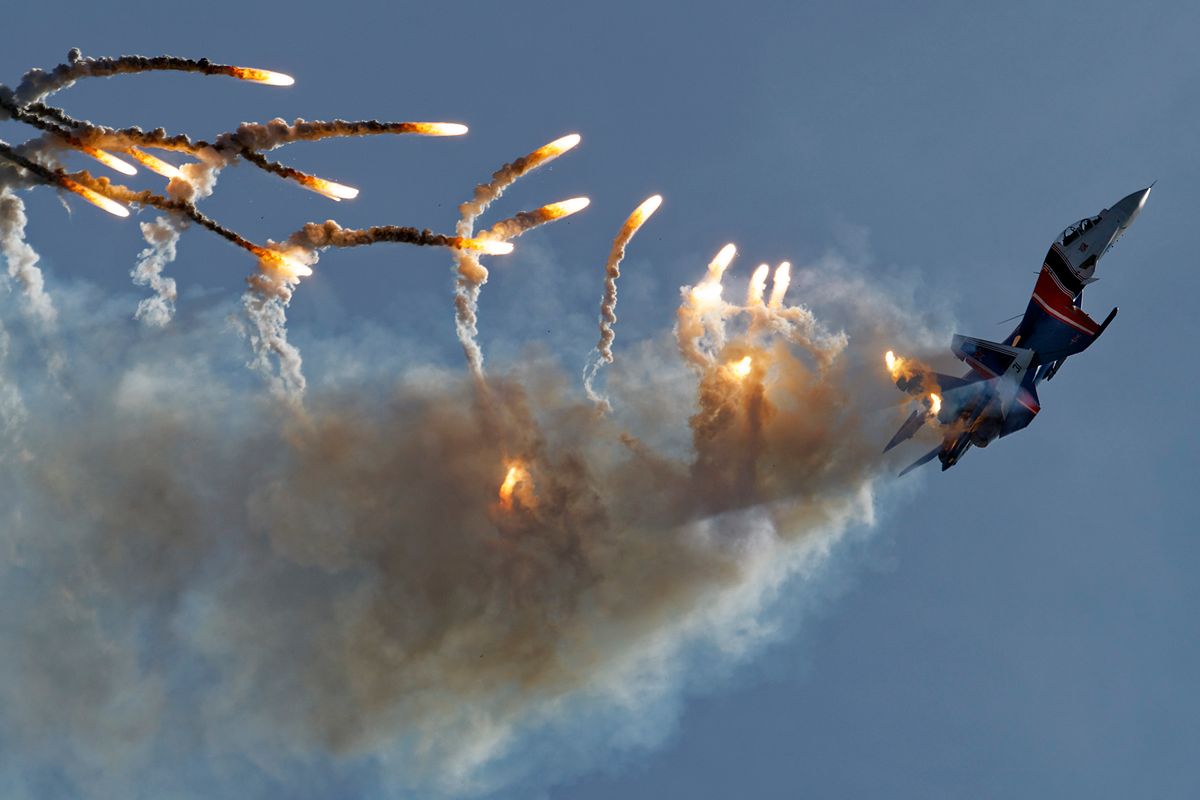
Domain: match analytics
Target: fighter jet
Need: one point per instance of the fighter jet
(999, 395)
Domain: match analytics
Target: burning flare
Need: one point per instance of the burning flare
(516, 474)
(554, 149)
(155, 164)
(438, 128)
(334, 191)
(261, 76)
(741, 369)
(109, 160)
(783, 277)
(895, 365)
(488, 247)
(282, 264)
(758, 285)
(95, 198)
(935, 403)
(565, 208)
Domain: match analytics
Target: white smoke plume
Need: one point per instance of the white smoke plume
(23, 261)
(162, 235)
(608, 303)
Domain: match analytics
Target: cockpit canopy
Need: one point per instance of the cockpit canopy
(1073, 232)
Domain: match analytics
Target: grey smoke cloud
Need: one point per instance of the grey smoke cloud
(195, 570)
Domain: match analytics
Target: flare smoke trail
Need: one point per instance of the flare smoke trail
(38, 84)
(472, 275)
(23, 260)
(162, 235)
(608, 304)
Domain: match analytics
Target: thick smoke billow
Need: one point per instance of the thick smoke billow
(193, 573)
(209, 588)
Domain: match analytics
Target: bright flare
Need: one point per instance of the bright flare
(706, 295)
(648, 207)
(489, 247)
(742, 368)
(95, 198)
(935, 403)
(516, 474)
(721, 262)
(565, 208)
(439, 128)
(291, 269)
(155, 164)
(109, 160)
(894, 364)
(334, 191)
(783, 277)
(758, 284)
(555, 148)
(262, 76)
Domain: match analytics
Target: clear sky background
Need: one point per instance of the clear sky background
(1023, 625)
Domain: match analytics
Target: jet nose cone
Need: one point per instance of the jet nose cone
(1130, 205)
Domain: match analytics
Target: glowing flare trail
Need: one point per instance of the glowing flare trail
(332, 190)
(261, 137)
(261, 76)
(155, 164)
(108, 160)
(608, 302)
(37, 84)
(95, 198)
(516, 475)
(783, 277)
(526, 221)
(320, 235)
(758, 285)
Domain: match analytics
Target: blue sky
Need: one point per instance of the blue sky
(1022, 625)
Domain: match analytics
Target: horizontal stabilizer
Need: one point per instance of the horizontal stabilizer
(925, 459)
(989, 359)
(911, 425)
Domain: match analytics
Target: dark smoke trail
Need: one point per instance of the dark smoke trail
(37, 84)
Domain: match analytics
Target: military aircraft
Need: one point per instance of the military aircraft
(999, 395)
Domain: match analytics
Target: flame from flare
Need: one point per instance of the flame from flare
(274, 260)
(556, 148)
(935, 403)
(741, 368)
(706, 295)
(565, 208)
(783, 277)
(155, 164)
(109, 160)
(334, 191)
(438, 128)
(262, 76)
(758, 284)
(95, 198)
(895, 365)
(516, 474)
(721, 262)
(489, 247)
(643, 212)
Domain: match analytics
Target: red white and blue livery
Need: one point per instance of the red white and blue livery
(999, 395)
